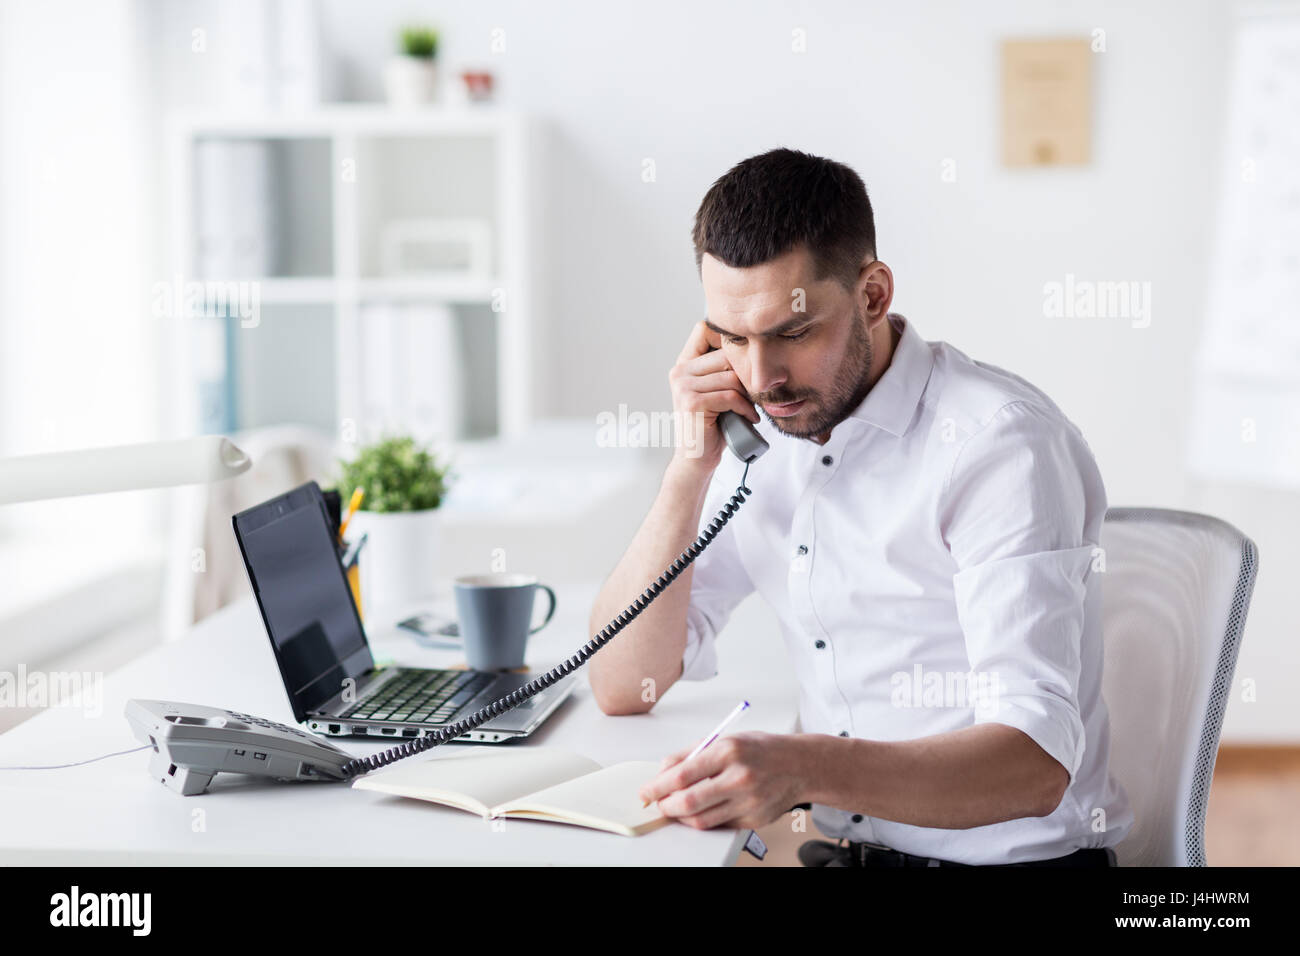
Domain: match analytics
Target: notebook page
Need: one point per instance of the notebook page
(485, 778)
(606, 800)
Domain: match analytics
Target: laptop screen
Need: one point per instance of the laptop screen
(293, 565)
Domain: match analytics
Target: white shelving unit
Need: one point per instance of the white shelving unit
(341, 173)
(524, 483)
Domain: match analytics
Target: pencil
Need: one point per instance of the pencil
(353, 504)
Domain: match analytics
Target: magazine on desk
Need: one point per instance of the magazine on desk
(528, 783)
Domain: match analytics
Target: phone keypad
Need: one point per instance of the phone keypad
(267, 724)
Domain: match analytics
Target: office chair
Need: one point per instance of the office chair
(1175, 592)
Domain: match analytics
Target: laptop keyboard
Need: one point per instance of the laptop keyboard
(421, 696)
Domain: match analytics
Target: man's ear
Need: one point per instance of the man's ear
(875, 290)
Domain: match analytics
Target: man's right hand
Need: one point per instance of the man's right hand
(704, 385)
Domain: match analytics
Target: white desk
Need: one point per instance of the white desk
(113, 812)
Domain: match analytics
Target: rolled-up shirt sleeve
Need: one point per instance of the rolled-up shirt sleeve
(1022, 502)
(719, 582)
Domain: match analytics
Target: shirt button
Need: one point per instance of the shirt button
(856, 818)
(844, 733)
(827, 460)
(819, 645)
(802, 549)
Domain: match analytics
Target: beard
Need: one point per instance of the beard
(825, 410)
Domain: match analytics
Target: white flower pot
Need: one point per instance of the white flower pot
(410, 80)
(398, 561)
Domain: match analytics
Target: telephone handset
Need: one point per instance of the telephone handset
(742, 437)
(192, 743)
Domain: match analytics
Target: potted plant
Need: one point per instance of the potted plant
(404, 486)
(411, 76)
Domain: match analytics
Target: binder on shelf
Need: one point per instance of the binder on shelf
(411, 371)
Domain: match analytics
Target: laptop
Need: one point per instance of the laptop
(291, 555)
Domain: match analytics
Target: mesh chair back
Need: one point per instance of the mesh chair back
(1175, 592)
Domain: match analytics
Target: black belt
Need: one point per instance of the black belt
(867, 854)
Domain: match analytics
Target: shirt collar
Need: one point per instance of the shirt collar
(891, 403)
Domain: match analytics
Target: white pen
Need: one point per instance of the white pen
(740, 709)
(717, 732)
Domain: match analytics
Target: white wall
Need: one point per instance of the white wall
(894, 90)
(75, 328)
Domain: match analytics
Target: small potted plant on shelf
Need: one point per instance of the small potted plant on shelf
(404, 486)
(411, 76)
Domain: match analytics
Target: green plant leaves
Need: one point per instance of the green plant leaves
(420, 42)
(397, 474)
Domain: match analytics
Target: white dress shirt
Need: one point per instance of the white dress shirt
(932, 566)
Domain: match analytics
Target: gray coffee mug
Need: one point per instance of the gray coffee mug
(496, 611)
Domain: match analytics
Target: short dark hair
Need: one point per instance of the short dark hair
(768, 204)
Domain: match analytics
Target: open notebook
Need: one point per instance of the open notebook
(532, 783)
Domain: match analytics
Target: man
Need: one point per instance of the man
(925, 528)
